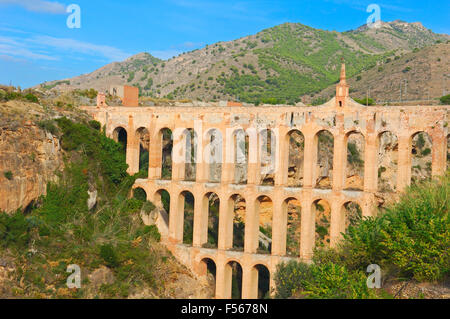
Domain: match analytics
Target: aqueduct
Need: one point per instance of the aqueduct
(340, 117)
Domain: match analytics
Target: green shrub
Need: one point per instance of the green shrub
(95, 125)
(445, 100)
(14, 230)
(31, 97)
(289, 278)
(333, 281)
(108, 254)
(411, 238)
(96, 146)
(49, 126)
(8, 175)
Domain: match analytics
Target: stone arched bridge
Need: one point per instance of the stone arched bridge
(341, 117)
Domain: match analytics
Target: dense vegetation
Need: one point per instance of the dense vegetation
(409, 241)
(60, 229)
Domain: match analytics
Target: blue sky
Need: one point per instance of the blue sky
(36, 45)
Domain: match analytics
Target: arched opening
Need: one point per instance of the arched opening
(144, 148)
(421, 157)
(187, 199)
(140, 194)
(262, 284)
(162, 199)
(352, 214)
(296, 158)
(324, 167)
(214, 155)
(120, 135)
(238, 209)
(267, 144)
(213, 202)
(191, 140)
(241, 144)
(208, 270)
(292, 209)
(233, 280)
(387, 162)
(167, 147)
(354, 171)
(264, 209)
(322, 212)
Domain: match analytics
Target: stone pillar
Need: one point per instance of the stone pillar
(254, 159)
(226, 215)
(404, 162)
(251, 225)
(228, 157)
(310, 161)
(249, 282)
(155, 156)
(202, 173)
(132, 154)
(371, 164)
(200, 221)
(223, 280)
(179, 157)
(176, 218)
(279, 226)
(282, 158)
(337, 221)
(308, 226)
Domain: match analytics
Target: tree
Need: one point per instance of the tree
(445, 100)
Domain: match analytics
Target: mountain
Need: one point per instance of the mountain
(279, 64)
(419, 75)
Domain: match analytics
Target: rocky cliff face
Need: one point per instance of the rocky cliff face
(29, 155)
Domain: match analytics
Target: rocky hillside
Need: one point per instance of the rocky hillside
(85, 216)
(279, 64)
(418, 75)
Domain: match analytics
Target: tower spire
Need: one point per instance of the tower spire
(343, 77)
(342, 88)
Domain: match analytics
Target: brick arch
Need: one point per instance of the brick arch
(299, 164)
(344, 219)
(228, 240)
(178, 217)
(321, 175)
(157, 197)
(418, 155)
(213, 154)
(389, 167)
(322, 223)
(267, 158)
(260, 285)
(115, 132)
(206, 216)
(354, 159)
(282, 248)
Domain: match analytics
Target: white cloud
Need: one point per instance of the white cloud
(38, 5)
(71, 45)
(40, 47)
(14, 48)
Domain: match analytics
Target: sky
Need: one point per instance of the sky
(40, 40)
